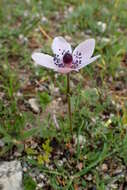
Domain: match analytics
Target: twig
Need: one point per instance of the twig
(44, 33)
(55, 121)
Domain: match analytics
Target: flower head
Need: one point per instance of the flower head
(64, 60)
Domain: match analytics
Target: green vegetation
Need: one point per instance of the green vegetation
(99, 92)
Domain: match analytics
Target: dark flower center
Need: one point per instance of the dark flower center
(67, 58)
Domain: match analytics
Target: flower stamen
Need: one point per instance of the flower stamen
(67, 58)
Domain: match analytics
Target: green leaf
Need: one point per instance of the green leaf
(29, 183)
(29, 133)
(90, 96)
(44, 99)
(31, 151)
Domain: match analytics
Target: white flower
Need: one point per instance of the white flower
(64, 61)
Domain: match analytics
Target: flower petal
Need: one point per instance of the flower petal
(60, 46)
(87, 62)
(84, 50)
(44, 60)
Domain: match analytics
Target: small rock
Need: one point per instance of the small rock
(64, 160)
(1, 143)
(23, 39)
(88, 32)
(68, 38)
(40, 185)
(70, 9)
(113, 186)
(26, 13)
(60, 162)
(102, 26)
(10, 175)
(110, 79)
(19, 94)
(41, 176)
(117, 171)
(34, 145)
(34, 105)
(104, 167)
(89, 177)
(59, 99)
(25, 169)
(44, 19)
(105, 40)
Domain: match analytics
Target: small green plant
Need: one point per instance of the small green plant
(45, 157)
(29, 183)
(44, 99)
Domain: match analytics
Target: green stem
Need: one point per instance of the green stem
(69, 103)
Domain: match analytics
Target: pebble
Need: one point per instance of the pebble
(19, 94)
(42, 176)
(89, 177)
(60, 162)
(64, 160)
(40, 185)
(104, 167)
(68, 38)
(1, 143)
(34, 105)
(118, 171)
(34, 145)
(23, 39)
(24, 169)
(44, 19)
(26, 13)
(88, 32)
(105, 40)
(70, 9)
(102, 26)
(113, 186)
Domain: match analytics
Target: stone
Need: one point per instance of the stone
(1, 143)
(105, 40)
(40, 185)
(89, 177)
(60, 162)
(41, 176)
(34, 105)
(114, 186)
(104, 167)
(102, 26)
(44, 19)
(10, 175)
